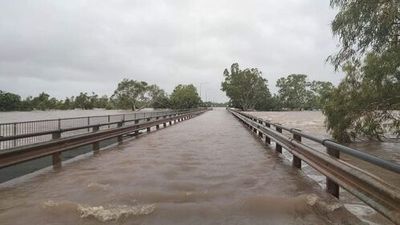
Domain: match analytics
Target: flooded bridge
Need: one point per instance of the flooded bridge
(205, 170)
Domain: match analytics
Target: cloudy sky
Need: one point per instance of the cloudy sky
(65, 47)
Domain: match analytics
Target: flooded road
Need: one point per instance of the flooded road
(207, 170)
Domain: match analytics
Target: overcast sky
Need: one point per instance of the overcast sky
(65, 47)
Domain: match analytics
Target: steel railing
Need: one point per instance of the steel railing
(19, 134)
(380, 195)
(60, 144)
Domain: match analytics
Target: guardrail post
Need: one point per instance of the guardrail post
(96, 145)
(120, 137)
(296, 161)
(157, 126)
(148, 129)
(15, 133)
(260, 134)
(56, 156)
(165, 124)
(331, 186)
(267, 139)
(96, 128)
(56, 135)
(88, 123)
(278, 147)
(136, 122)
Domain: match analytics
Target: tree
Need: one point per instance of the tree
(102, 102)
(42, 101)
(293, 91)
(185, 97)
(320, 91)
(136, 95)
(159, 98)
(247, 89)
(84, 101)
(131, 94)
(369, 34)
(9, 101)
(365, 27)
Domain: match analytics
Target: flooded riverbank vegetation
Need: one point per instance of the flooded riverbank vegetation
(366, 102)
(129, 95)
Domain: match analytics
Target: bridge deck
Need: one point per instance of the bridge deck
(207, 170)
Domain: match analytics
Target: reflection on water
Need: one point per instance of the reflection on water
(207, 170)
(312, 122)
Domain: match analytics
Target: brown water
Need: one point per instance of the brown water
(207, 170)
(312, 122)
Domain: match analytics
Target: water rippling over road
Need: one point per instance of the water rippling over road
(207, 170)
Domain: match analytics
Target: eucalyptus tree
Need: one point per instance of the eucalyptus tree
(136, 95)
(9, 101)
(369, 34)
(131, 94)
(184, 97)
(293, 91)
(246, 88)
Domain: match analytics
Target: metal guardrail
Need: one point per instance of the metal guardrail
(383, 197)
(58, 144)
(18, 134)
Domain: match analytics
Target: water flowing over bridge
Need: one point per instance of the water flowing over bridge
(203, 168)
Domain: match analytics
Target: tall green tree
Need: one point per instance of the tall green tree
(159, 98)
(136, 95)
(246, 89)
(320, 92)
(84, 101)
(293, 91)
(43, 102)
(9, 101)
(131, 94)
(369, 34)
(185, 97)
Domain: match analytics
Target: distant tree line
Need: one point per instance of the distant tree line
(130, 94)
(248, 90)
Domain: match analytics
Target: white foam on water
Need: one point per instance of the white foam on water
(97, 186)
(115, 212)
(100, 213)
(362, 211)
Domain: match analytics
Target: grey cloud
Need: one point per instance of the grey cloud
(64, 47)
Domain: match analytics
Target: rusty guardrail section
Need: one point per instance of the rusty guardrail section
(378, 194)
(58, 145)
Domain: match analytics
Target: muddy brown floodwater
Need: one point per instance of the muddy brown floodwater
(207, 170)
(312, 122)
